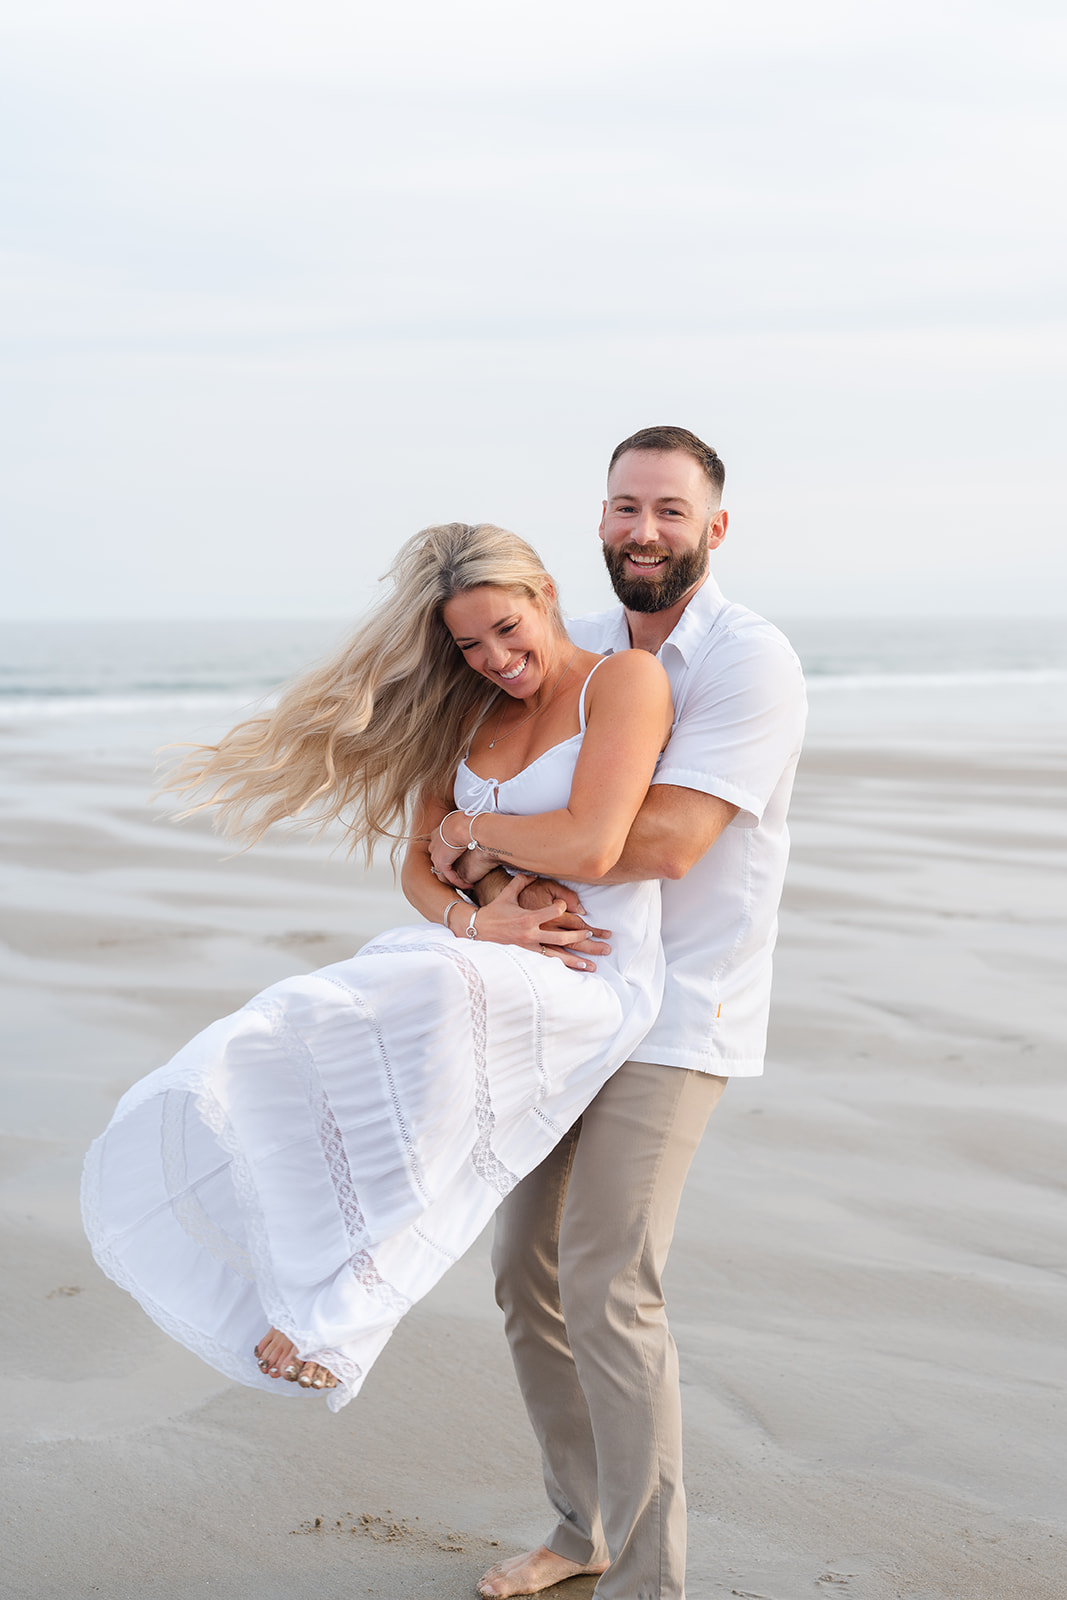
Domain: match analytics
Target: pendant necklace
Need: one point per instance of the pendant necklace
(497, 735)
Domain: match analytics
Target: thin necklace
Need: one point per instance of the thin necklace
(498, 735)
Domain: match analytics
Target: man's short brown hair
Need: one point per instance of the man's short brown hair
(663, 439)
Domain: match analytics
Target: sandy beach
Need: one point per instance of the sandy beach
(867, 1287)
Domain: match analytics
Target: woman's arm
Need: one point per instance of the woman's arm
(504, 922)
(628, 720)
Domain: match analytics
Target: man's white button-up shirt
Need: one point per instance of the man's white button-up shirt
(739, 711)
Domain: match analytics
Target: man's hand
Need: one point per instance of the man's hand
(486, 888)
(537, 896)
(473, 866)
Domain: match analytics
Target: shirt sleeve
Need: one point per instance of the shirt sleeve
(739, 724)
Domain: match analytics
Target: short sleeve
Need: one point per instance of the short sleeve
(739, 721)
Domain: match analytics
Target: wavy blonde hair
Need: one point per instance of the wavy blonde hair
(384, 720)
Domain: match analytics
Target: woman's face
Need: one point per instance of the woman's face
(505, 637)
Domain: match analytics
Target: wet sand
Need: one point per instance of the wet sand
(867, 1289)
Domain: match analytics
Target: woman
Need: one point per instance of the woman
(316, 1161)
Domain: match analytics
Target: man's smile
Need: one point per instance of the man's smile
(646, 561)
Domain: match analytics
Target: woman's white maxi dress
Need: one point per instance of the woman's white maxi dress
(317, 1161)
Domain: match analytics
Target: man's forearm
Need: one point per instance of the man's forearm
(651, 851)
(670, 833)
(672, 830)
(642, 859)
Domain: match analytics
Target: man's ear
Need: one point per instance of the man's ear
(603, 517)
(717, 529)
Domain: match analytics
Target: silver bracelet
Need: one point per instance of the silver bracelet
(460, 900)
(473, 845)
(472, 932)
(441, 832)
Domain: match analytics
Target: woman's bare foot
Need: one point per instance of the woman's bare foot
(311, 1376)
(277, 1358)
(535, 1570)
(275, 1352)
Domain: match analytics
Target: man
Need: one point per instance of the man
(582, 1242)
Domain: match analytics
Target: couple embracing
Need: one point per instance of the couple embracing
(594, 822)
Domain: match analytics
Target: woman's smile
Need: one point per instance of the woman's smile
(516, 670)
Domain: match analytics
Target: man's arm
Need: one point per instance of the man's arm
(670, 833)
(738, 724)
(672, 830)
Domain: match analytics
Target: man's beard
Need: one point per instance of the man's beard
(646, 594)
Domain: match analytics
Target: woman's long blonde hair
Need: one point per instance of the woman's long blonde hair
(384, 720)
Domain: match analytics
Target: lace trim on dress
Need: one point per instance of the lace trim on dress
(347, 1372)
(359, 1001)
(483, 1159)
(201, 1344)
(241, 1368)
(434, 1244)
(361, 1262)
(278, 1312)
(537, 1035)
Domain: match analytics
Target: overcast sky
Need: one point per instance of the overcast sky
(284, 282)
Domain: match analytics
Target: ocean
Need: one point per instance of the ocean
(118, 690)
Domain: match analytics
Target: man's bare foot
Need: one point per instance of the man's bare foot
(277, 1358)
(535, 1570)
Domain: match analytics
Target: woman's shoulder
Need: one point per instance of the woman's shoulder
(631, 670)
(626, 682)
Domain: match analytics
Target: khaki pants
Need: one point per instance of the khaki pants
(579, 1253)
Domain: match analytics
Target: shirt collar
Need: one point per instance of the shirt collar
(696, 621)
(691, 629)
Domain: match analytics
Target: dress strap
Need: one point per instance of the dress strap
(581, 697)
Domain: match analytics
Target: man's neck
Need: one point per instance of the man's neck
(650, 629)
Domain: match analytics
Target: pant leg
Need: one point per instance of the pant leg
(526, 1263)
(620, 1196)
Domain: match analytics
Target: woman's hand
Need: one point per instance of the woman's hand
(505, 922)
